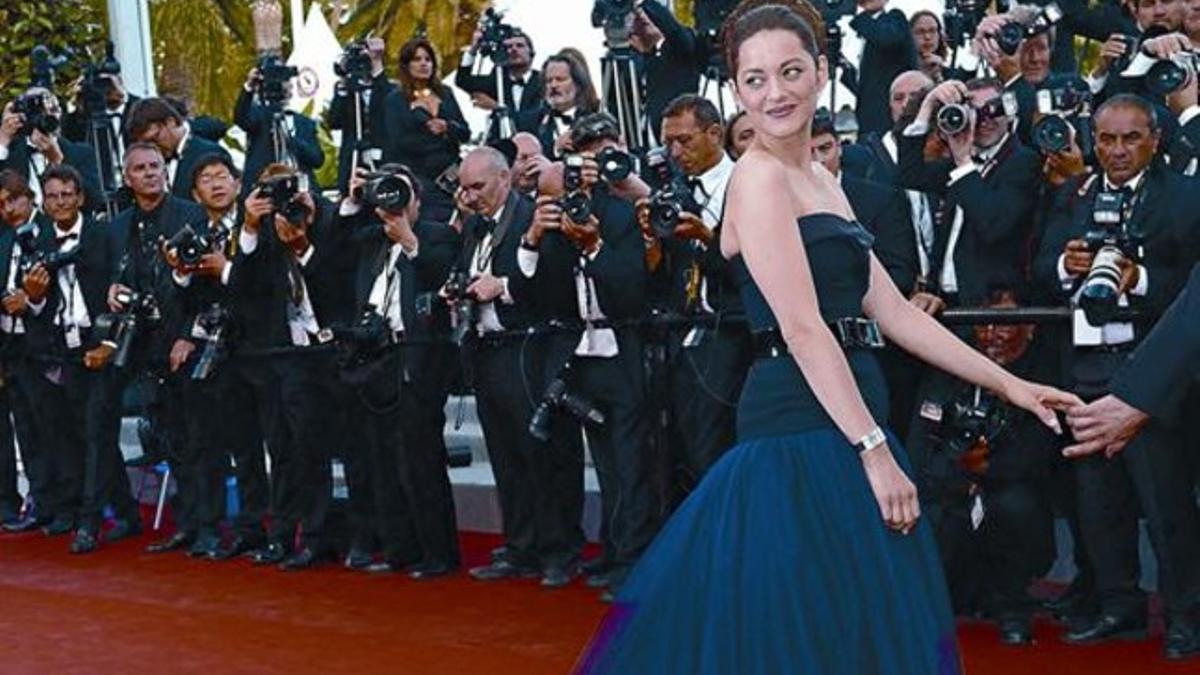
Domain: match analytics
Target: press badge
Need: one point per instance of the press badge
(931, 411)
(977, 512)
(1084, 334)
(72, 336)
(198, 330)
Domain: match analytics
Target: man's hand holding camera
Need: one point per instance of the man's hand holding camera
(398, 229)
(47, 144)
(1168, 47)
(1077, 261)
(1059, 167)
(1111, 51)
(257, 207)
(10, 125)
(585, 235)
(36, 284)
(986, 46)
(548, 216)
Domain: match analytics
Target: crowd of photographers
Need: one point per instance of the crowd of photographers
(562, 265)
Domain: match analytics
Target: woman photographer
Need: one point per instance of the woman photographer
(425, 124)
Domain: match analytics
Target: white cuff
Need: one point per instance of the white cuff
(505, 296)
(3, 152)
(248, 241)
(1064, 277)
(1189, 115)
(960, 171)
(1143, 284)
(349, 207)
(226, 272)
(527, 261)
(411, 255)
(182, 279)
(36, 307)
(917, 128)
(1096, 84)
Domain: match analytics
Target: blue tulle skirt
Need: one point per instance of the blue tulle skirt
(780, 563)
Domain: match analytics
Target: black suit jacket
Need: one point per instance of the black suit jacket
(674, 69)
(93, 270)
(77, 126)
(256, 120)
(514, 222)
(375, 132)
(77, 155)
(196, 148)
(1167, 214)
(411, 144)
(888, 50)
(884, 211)
(997, 209)
(531, 95)
(1158, 373)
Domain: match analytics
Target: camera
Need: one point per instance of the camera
(463, 306)
(212, 327)
(559, 397)
(36, 111)
(361, 342)
(615, 166)
(953, 118)
(613, 16)
(273, 77)
(672, 195)
(962, 19)
(575, 202)
(493, 32)
(354, 65)
(32, 255)
(282, 191)
(1013, 33)
(42, 65)
(190, 246)
(970, 426)
(121, 328)
(1110, 244)
(386, 190)
(1168, 75)
(1064, 110)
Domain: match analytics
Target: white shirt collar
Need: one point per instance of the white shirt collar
(715, 179)
(187, 135)
(76, 229)
(1133, 183)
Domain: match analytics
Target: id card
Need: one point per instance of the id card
(1085, 334)
(72, 337)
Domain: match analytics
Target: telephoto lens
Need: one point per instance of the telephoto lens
(1165, 77)
(1102, 287)
(391, 192)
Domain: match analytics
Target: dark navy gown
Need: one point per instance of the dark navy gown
(779, 562)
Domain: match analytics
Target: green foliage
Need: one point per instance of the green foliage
(78, 24)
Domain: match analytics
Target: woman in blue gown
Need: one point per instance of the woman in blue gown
(802, 550)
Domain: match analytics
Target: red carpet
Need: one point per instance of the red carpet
(121, 610)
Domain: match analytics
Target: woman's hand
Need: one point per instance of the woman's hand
(894, 492)
(1040, 400)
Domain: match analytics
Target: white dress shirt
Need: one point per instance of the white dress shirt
(487, 318)
(919, 208)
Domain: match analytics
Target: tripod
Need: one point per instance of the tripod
(364, 153)
(108, 151)
(715, 81)
(281, 146)
(622, 91)
(500, 121)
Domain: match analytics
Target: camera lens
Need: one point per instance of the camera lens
(1165, 77)
(1010, 36)
(952, 119)
(1052, 134)
(614, 165)
(390, 192)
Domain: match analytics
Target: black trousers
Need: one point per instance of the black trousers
(1153, 472)
(706, 381)
(505, 375)
(105, 481)
(623, 467)
(992, 566)
(21, 399)
(301, 438)
(247, 403)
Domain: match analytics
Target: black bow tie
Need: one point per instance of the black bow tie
(484, 225)
(566, 118)
(62, 239)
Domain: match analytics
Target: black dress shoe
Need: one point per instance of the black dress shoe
(502, 569)
(271, 554)
(1182, 640)
(1015, 630)
(1106, 627)
(84, 542)
(237, 546)
(25, 523)
(558, 576)
(597, 565)
(430, 570)
(123, 529)
(499, 553)
(172, 543)
(59, 527)
(357, 559)
(206, 547)
(303, 559)
(382, 567)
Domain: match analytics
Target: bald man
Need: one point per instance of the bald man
(528, 164)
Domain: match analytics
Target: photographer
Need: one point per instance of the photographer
(425, 125)
(273, 133)
(23, 392)
(31, 142)
(707, 362)
(988, 185)
(523, 83)
(214, 382)
(341, 115)
(569, 94)
(117, 102)
(672, 59)
(154, 120)
(981, 469)
(528, 163)
(492, 301)
(1127, 239)
(584, 254)
(296, 284)
(1175, 51)
(888, 50)
(144, 330)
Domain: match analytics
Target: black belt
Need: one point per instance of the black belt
(850, 332)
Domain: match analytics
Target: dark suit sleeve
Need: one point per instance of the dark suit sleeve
(83, 158)
(1003, 203)
(307, 147)
(677, 36)
(914, 172)
(475, 84)
(619, 268)
(458, 132)
(250, 117)
(895, 244)
(888, 31)
(1167, 360)
(1059, 228)
(439, 249)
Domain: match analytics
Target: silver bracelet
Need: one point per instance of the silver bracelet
(872, 440)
